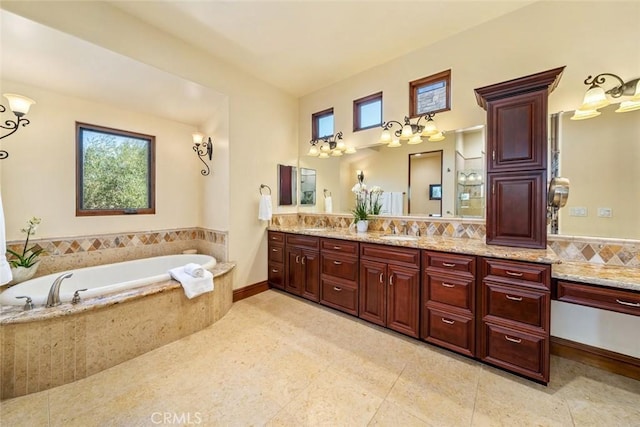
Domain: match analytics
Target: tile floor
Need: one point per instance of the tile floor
(278, 360)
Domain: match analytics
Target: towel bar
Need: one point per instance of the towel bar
(264, 186)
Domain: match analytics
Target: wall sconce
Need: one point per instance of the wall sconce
(203, 149)
(360, 176)
(412, 132)
(329, 146)
(596, 97)
(19, 105)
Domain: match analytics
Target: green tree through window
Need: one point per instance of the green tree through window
(115, 171)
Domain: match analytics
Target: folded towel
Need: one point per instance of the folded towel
(328, 204)
(194, 270)
(193, 286)
(264, 210)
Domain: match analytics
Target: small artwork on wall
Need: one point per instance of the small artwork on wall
(435, 191)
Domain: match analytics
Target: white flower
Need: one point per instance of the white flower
(376, 189)
(358, 188)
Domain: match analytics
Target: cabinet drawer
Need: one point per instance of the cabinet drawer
(517, 304)
(449, 262)
(340, 246)
(619, 300)
(276, 236)
(310, 242)
(449, 330)
(276, 275)
(336, 295)
(523, 353)
(527, 274)
(390, 254)
(451, 290)
(276, 253)
(340, 266)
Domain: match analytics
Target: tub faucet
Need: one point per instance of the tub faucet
(54, 292)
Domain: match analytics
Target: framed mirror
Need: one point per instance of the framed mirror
(307, 186)
(425, 183)
(287, 185)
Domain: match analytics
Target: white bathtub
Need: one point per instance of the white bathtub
(103, 279)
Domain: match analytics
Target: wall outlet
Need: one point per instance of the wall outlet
(578, 211)
(605, 212)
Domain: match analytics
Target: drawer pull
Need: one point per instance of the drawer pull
(337, 289)
(630, 304)
(381, 277)
(513, 298)
(303, 258)
(274, 250)
(447, 321)
(448, 285)
(274, 270)
(446, 264)
(514, 340)
(391, 280)
(297, 259)
(337, 248)
(337, 262)
(513, 273)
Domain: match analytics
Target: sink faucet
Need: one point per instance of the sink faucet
(54, 292)
(402, 229)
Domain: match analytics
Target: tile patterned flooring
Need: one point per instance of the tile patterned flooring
(277, 360)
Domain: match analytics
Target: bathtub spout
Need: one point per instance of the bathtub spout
(54, 292)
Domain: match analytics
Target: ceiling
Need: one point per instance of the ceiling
(301, 46)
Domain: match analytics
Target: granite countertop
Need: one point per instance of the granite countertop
(598, 274)
(436, 243)
(16, 313)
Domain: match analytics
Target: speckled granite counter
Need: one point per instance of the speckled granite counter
(16, 314)
(597, 274)
(436, 243)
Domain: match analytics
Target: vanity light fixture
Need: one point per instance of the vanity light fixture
(411, 132)
(203, 149)
(329, 146)
(596, 96)
(19, 105)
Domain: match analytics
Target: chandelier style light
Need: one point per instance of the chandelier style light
(410, 132)
(596, 97)
(329, 146)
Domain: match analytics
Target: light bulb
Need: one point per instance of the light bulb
(430, 128)
(407, 132)
(385, 136)
(594, 98)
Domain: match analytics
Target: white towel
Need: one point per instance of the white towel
(264, 211)
(328, 204)
(397, 199)
(193, 286)
(385, 203)
(194, 270)
(5, 269)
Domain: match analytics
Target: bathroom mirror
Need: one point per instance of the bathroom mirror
(600, 157)
(425, 184)
(287, 185)
(307, 186)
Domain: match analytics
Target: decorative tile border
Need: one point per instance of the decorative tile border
(594, 250)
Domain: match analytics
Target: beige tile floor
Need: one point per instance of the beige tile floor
(277, 360)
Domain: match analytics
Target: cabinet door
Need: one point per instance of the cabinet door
(294, 279)
(516, 214)
(517, 137)
(310, 262)
(403, 300)
(373, 280)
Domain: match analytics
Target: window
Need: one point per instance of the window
(430, 94)
(115, 171)
(367, 112)
(322, 124)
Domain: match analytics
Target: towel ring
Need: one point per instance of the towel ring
(325, 191)
(264, 186)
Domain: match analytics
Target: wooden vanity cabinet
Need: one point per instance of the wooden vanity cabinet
(448, 301)
(339, 268)
(276, 255)
(625, 301)
(303, 266)
(390, 287)
(515, 306)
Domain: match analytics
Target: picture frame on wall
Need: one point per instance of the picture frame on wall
(435, 191)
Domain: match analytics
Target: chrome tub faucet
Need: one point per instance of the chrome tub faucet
(54, 292)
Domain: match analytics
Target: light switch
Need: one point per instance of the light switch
(605, 212)
(578, 211)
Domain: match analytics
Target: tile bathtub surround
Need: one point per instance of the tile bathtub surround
(86, 251)
(277, 360)
(72, 342)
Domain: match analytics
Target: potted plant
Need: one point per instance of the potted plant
(361, 211)
(24, 265)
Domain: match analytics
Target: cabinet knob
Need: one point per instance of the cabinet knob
(514, 340)
(509, 297)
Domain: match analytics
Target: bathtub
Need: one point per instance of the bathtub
(103, 279)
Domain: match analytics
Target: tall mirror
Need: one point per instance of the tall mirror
(287, 185)
(307, 186)
(425, 184)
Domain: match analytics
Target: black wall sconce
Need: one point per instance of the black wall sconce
(19, 105)
(203, 149)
